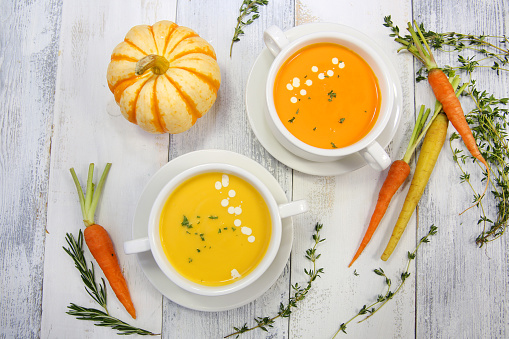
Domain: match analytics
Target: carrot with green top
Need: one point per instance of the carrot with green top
(444, 93)
(98, 240)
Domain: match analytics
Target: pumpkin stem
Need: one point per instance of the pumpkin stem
(157, 63)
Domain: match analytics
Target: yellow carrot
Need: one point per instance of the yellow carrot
(431, 146)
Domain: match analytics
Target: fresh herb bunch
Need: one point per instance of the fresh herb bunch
(248, 8)
(369, 310)
(300, 292)
(488, 119)
(97, 292)
(492, 48)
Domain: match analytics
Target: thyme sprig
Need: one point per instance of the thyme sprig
(98, 293)
(248, 7)
(492, 49)
(489, 121)
(369, 310)
(300, 292)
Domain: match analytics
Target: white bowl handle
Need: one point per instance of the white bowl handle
(376, 156)
(136, 246)
(293, 208)
(275, 39)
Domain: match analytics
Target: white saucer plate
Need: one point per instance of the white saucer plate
(256, 106)
(148, 263)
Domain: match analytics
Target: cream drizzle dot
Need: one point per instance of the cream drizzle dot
(235, 274)
(303, 92)
(309, 82)
(335, 61)
(237, 222)
(314, 69)
(341, 64)
(289, 87)
(231, 210)
(293, 100)
(225, 180)
(246, 230)
(224, 202)
(231, 193)
(218, 185)
(251, 238)
(238, 210)
(330, 72)
(321, 76)
(296, 82)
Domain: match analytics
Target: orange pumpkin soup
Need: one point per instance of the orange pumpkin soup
(327, 96)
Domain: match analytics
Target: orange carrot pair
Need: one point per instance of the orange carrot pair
(98, 240)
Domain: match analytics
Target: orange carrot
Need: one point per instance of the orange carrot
(444, 93)
(98, 240)
(452, 107)
(398, 172)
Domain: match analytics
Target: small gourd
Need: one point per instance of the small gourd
(164, 77)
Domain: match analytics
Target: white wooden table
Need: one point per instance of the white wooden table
(57, 112)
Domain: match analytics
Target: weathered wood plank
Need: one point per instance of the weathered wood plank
(29, 34)
(462, 291)
(344, 204)
(226, 127)
(88, 127)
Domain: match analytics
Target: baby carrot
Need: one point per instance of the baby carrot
(398, 172)
(431, 147)
(444, 93)
(98, 240)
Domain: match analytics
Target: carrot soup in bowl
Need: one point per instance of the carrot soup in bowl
(328, 95)
(214, 229)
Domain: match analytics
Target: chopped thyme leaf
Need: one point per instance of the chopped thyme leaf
(201, 236)
(219, 231)
(188, 232)
(212, 216)
(190, 260)
(333, 146)
(314, 129)
(198, 250)
(234, 229)
(291, 120)
(341, 120)
(331, 95)
(226, 228)
(355, 273)
(198, 216)
(305, 76)
(185, 222)
(309, 98)
(297, 111)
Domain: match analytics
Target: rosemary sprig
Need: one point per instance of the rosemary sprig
(75, 251)
(248, 7)
(369, 310)
(98, 293)
(300, 292)
(103, 319)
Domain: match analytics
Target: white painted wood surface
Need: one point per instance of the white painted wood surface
(57, 112)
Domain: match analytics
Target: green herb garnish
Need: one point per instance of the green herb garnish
(331, 95)
(333, 145)
(382, 299)
(248, 7)
(98, 293)
(291, 120)
(213, 217)
(299, 291)
(341, 120)
(185, 223)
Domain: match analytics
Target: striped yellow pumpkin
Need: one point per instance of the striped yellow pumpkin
(164, 77)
